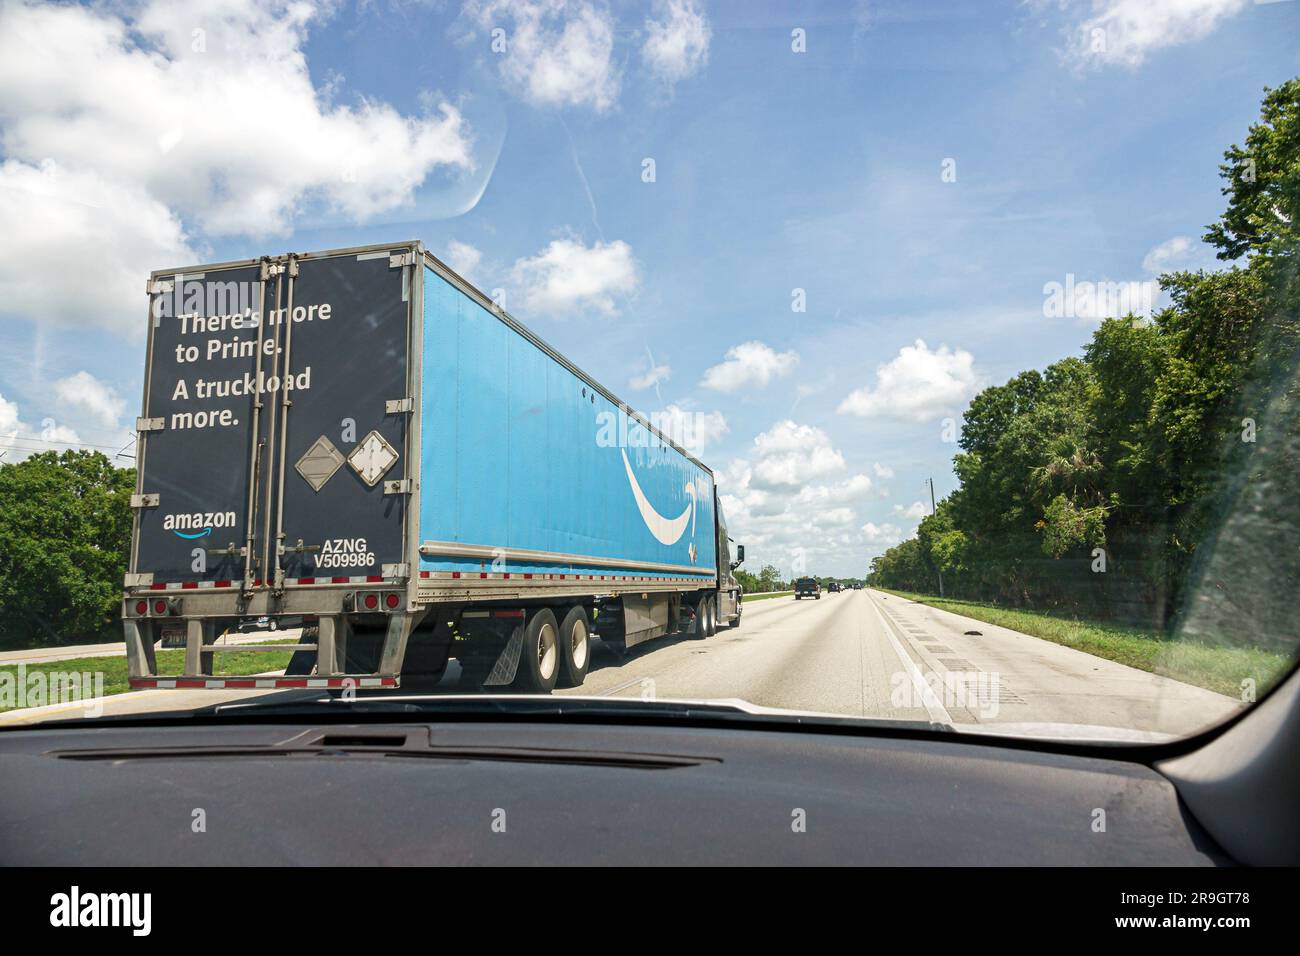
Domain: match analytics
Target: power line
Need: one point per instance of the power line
(51, 442)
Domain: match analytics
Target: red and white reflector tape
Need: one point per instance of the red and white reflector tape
(258, 683)
(293, 582)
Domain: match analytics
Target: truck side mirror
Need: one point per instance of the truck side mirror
(740, 555)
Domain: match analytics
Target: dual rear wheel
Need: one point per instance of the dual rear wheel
(706, 618)
(554, 654)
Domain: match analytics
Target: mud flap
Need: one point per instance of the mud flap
(426, 656)
(303, 662)
(507, 662)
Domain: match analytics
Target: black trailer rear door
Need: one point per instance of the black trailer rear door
(200, 432)
(344, 432)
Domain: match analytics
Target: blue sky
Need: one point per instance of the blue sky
(1084, 137)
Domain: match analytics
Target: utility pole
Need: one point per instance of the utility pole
(934, 511)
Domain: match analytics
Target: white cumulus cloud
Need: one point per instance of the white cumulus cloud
(558, 52)
(1124, 32)
(168, 120)
(463, 258)
(917, 385)
(915, 511)
(750, 363)
(880, 537)
(677, 41)
(115, 232)
(19, 440)
(789, 455)
(86, 395)
(849, 490)
(1177, 253)
(567, 275)
(651, 377)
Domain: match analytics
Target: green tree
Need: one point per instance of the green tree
(1263, 183)
(65, 529)
(769, 578)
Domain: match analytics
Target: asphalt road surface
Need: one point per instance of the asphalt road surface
(863, 654)
(870, 654)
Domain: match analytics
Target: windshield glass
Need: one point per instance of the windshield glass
(373, 349)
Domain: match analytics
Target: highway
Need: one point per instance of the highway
(869, 654)
(860, 654)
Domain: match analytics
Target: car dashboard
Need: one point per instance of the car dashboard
(562, 792)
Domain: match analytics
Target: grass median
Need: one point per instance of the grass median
(170, 662)
(764, 595)
(1220, 668)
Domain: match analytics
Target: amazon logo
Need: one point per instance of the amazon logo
(197, 524)
(666, 529)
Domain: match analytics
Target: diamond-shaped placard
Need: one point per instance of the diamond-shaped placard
(372, 458)
(319, 463)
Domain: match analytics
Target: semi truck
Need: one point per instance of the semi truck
(361, 441)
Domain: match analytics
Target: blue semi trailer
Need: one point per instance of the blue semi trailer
(362, 441)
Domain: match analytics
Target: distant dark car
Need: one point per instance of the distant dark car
(257, 624)
(807, 587)
(833, 587)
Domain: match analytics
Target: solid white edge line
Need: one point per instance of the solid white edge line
(933, 706)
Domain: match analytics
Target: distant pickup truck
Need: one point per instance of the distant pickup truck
(807, 587)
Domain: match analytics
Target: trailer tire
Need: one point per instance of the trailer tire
(539, 660)
(575, 647)
(700, 625)
(712, 625)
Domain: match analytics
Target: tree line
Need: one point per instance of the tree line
(767, 580)
(1107, 484)
(65, 530)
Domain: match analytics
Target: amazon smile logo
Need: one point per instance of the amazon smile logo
(624, 430)
(666, 530)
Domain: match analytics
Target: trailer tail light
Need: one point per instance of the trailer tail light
(373, 601)
(153, 607)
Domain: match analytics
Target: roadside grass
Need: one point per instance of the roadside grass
(1219, 668)
(228, 664)
(764, 595)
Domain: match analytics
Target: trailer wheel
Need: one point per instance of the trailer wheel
(539, 661)
(712, 621)
(575, 647)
